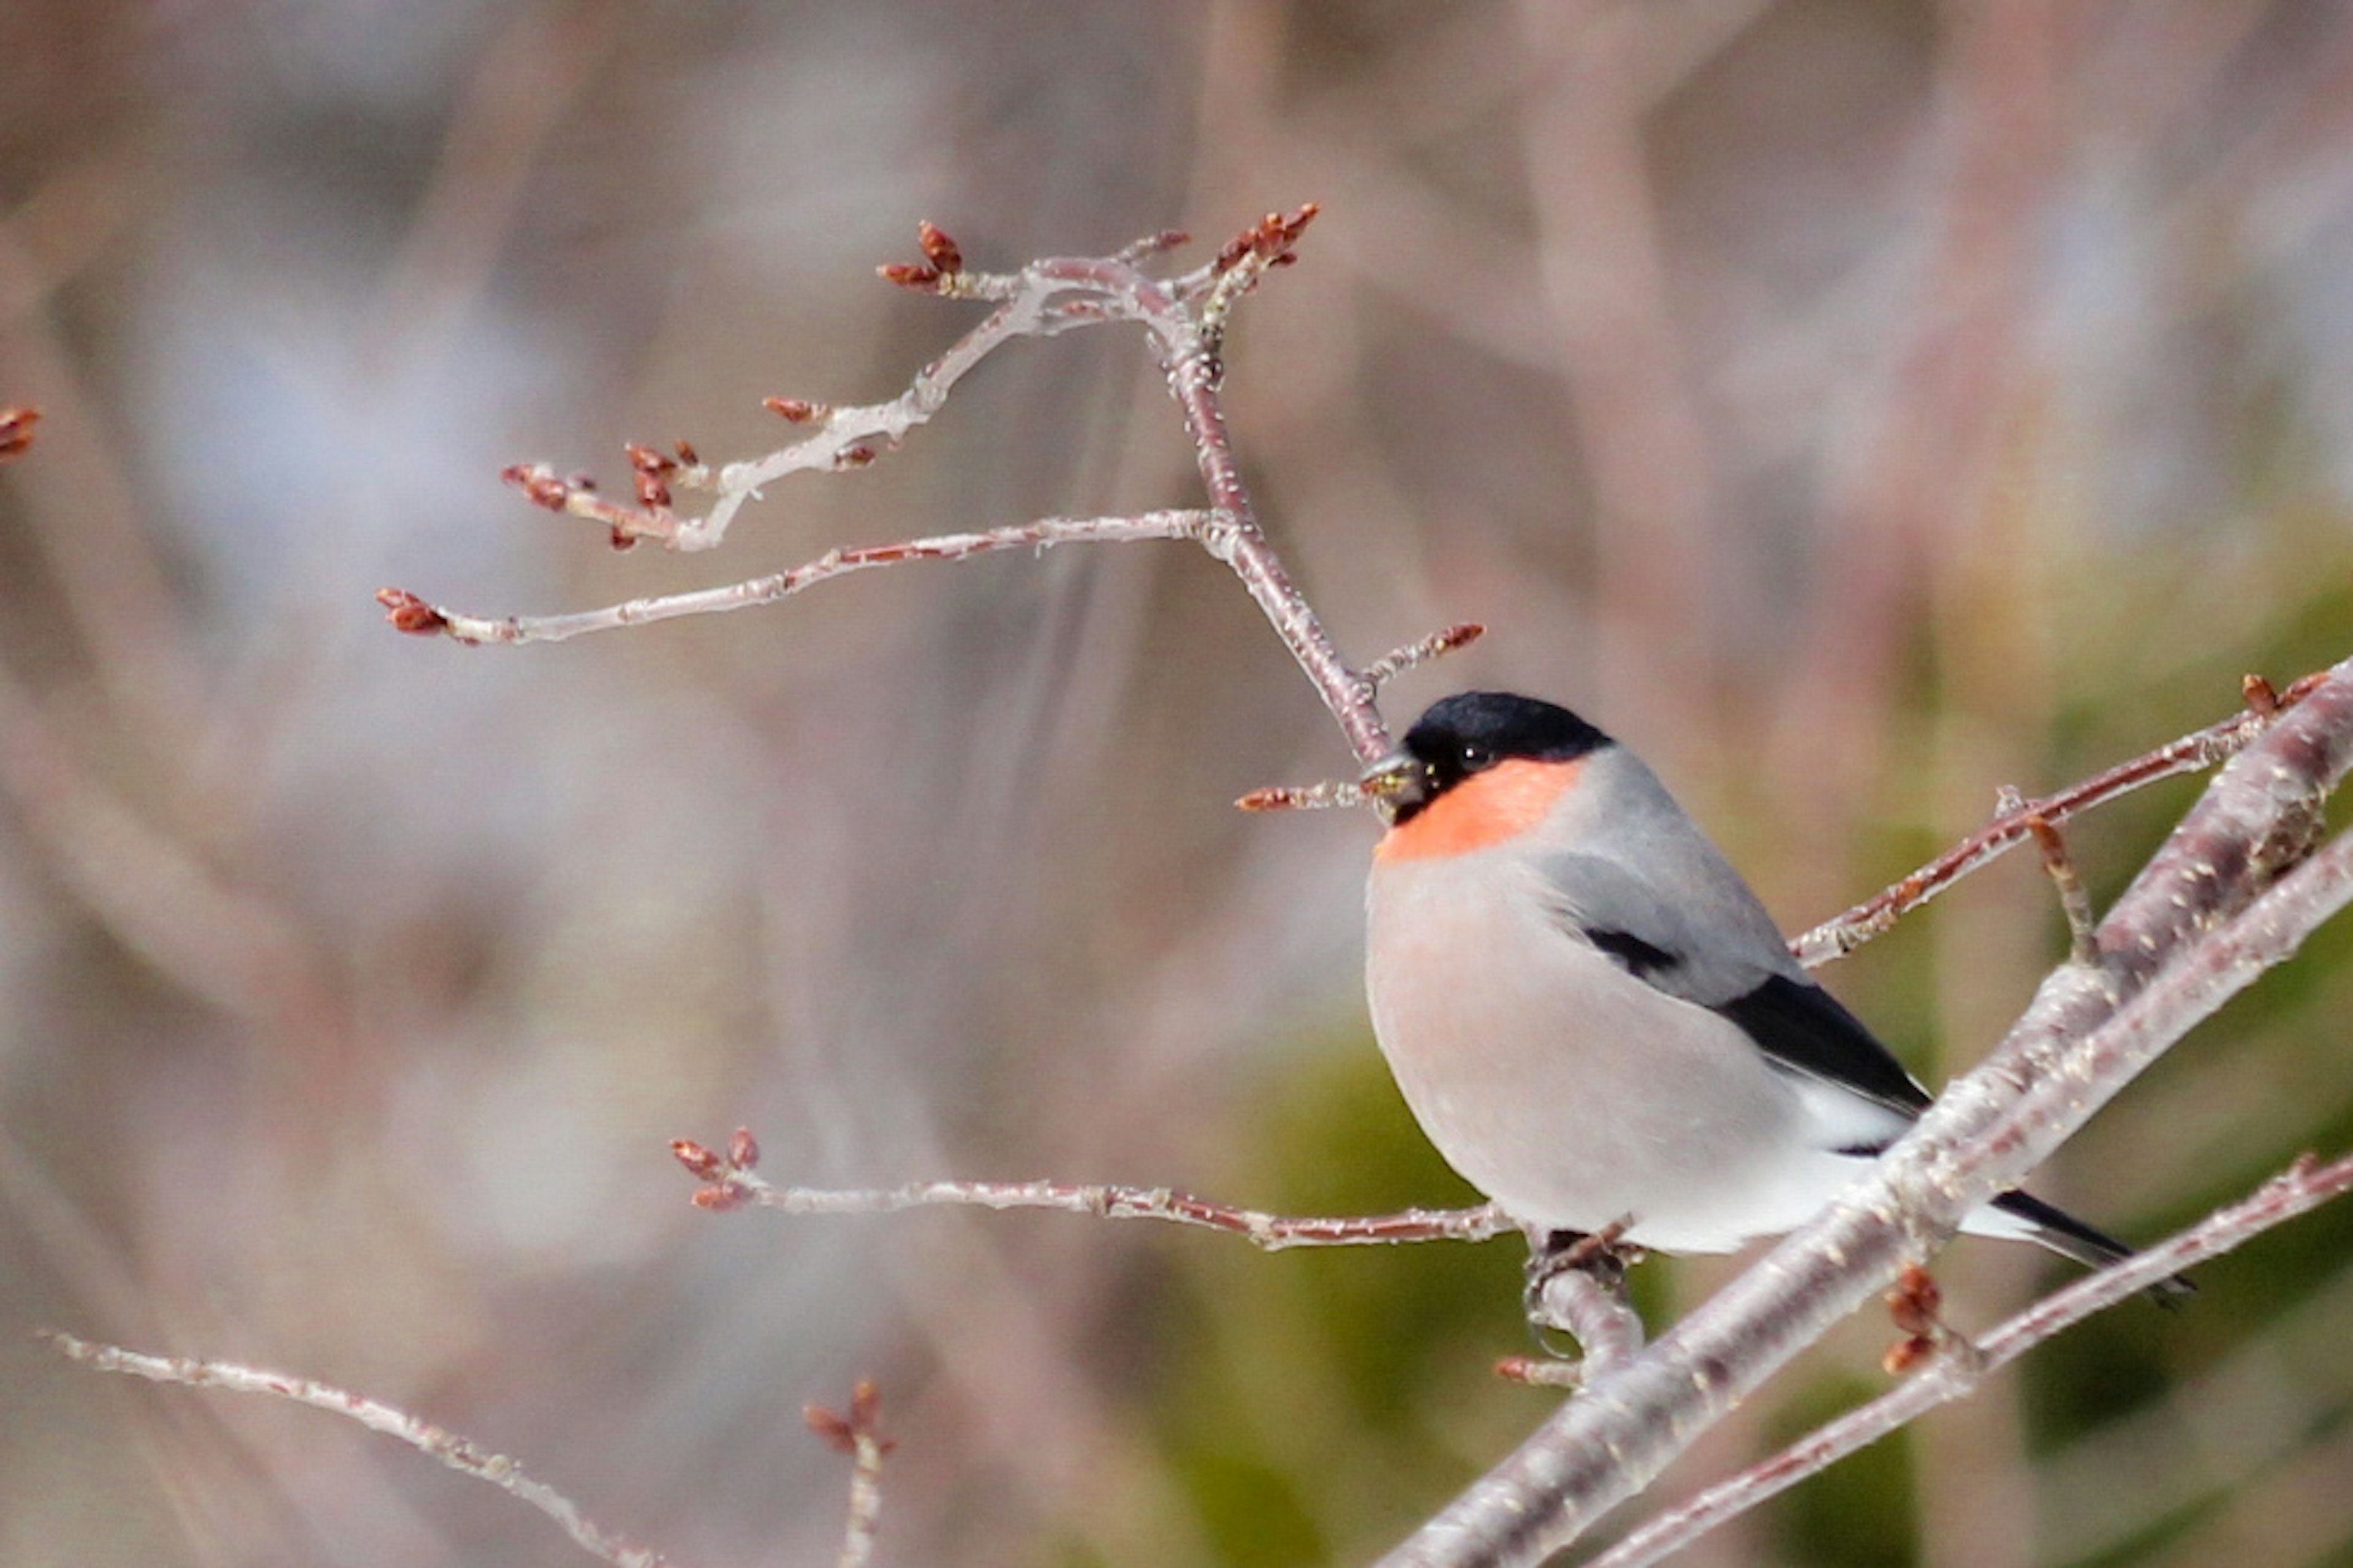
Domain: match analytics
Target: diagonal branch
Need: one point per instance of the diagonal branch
(2302, 1187)
(2208, 914)
(460, 1454)
(2014, 825)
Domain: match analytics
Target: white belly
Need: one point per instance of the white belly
(1569, 1091)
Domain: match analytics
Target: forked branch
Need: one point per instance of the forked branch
(1185, 316)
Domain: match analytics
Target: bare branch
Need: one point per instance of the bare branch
(2193, 753)
(857, 1435)
(2301, 1187)
(2207, 915)
(410, 614)
(1185, 317)
(732, 1184)
(1437, 645)
(1380, 672)
(458, 1453)
(2074, 899)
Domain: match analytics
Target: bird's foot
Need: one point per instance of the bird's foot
(1577, 1286)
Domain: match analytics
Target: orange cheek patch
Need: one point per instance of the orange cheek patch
(1486, 808)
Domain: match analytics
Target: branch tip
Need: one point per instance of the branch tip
(408, 613)
(540, 484)
(1267, 242)
(938, 248)
(1302, 797)
(742, 1149)
(700, 1162)
(17, 430)
(856, 1431)
(1435, 646)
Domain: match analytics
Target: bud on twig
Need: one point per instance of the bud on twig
(408, 613)
(17, 430)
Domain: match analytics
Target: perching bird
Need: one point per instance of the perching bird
(1594, 1018)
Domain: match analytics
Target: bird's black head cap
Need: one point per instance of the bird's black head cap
(1472, 732)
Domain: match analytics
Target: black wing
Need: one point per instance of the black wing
(1717, 947)
(1803, 1026)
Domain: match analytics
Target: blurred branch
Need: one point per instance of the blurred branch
(458, 1453)
(2217, 905)
(17, 430)
(731, 1183)
(2304, 1186)
(859, 1436)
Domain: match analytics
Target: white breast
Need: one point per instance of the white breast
(1567, 1090)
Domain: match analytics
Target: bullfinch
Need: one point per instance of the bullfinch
(1591, 1015)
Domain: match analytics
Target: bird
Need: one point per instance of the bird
(1594, 1018)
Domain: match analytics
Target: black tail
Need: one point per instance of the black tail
(2068, 1236)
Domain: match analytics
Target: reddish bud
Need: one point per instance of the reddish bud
(794, 410)
(17, 429)
(1914, 1301)
(408, 613)
(650, 460)
(830, 1425)
(687, 454)
(539, 484)
(720, 1199)
(844, 1432)
(742, 1149)
(866, 1415)
(856, 457)
(938, 248)
(1905, 1354)
(907, 275)
(2261, 697)
(1271, 240)
(623, 539)
(700, 1162)
(652, 493)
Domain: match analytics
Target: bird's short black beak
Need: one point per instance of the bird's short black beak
(1398, 783)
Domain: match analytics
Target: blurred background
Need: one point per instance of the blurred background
(1859, 405)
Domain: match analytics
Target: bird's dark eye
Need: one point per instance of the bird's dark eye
(1475, 756)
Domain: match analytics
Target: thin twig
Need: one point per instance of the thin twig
(458, 1453)
(2193, 753)
(410, 614)
(731, 1182)
(1437, 645)
(2301, 1187)
(1271, 1232)
(858, 1434)
(1325, 796)
(1380, 672)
